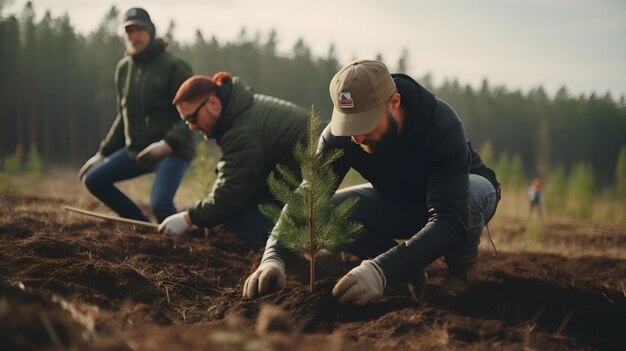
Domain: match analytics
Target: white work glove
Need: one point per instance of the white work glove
(268, 277)
(94, 160)
(175, 224)
(360, 285)
(153, 154)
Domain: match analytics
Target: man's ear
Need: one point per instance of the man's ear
(215, 105)
(395, 101)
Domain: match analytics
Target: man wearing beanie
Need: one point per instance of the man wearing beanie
(427, 186)
(147, 134)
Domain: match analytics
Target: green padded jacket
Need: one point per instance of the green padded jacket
(145, 89)
(255, 133)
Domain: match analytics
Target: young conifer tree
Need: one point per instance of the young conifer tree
(309, 222)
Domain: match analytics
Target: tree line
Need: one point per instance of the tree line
(57, 95)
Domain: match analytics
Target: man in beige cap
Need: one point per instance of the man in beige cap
(427, 185)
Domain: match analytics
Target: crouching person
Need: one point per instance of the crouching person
(147, 135)
(427, 186)
(255, 133)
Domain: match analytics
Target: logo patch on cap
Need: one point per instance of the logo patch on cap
(345, 100)
(132, 12)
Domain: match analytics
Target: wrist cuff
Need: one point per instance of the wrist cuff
(274, 260)
(379, 270)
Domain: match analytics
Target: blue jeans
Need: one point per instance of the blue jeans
(482, 206)
(119, 166)
(384, 221)
(250, 226)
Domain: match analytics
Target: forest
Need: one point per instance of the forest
(553, 279)
(57, 99)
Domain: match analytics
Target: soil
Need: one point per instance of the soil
(76, 283)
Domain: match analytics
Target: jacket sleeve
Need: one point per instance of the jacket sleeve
(447, 197)
(115, 138)
(340, 167)
(328, 142)
(240, 177)
(178, 135)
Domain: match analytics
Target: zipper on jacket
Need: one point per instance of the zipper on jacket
(140, 88)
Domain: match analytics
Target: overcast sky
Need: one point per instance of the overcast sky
(517, 43)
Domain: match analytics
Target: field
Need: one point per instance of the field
(70, 282)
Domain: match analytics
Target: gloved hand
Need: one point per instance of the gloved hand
(94, 160)
(268, 277)
(361, 284)
(153, 153)
(175, 224)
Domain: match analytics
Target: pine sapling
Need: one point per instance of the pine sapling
(309, 222)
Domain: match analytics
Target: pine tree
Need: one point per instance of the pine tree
(309, 222)
(486, 153)
(620, 180)
(33, 165)
(516, 172)
(555, 194)
(13, 165)
(502, 168)
(581, 190)
(516, 177)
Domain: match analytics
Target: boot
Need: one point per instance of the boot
(457, 279)
(417, 286)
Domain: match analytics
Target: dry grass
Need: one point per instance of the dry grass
(606, 210)
(179, 288)
(515, 229)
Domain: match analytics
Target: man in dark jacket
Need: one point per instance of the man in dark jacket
(427, 186)
(147, 134)
(255, 133)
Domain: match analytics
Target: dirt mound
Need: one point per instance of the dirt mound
(33, 321)
(133, 289)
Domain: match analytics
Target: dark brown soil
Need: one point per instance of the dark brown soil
(71, 282)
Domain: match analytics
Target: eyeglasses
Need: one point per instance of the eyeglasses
(193, 117)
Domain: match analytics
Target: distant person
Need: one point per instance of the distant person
(534, 196)
(255, 133)
(147, 134)
(426, 186)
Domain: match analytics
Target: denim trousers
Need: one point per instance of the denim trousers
(250, 226)
(101, 179)
(382, 221)
(385, 221)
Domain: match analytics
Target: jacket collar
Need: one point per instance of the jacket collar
(236, 98)
(418, 104)
(154, 48)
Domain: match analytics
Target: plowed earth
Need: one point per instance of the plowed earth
(77, 283)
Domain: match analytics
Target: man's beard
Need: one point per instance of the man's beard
(132, 50)
(387, 140)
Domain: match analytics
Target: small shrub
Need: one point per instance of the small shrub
(6, 185)
(309, 221)
(580, 191)
(33, 164)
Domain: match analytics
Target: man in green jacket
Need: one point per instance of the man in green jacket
(255, 133)
(147, 134)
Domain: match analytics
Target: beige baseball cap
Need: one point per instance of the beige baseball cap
(359, 92)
